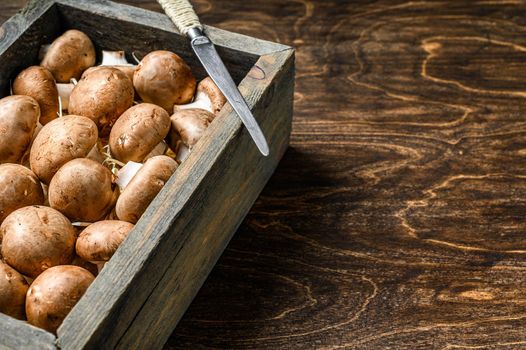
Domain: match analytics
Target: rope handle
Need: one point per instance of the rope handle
(182, 14)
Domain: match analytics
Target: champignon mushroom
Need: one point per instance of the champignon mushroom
(36, 238)
(59, 142)
(39, 83)
(164, 79)
(208, 97)
(143, 188)
(13, 289)
(187, 127)
(19, 187)
(138, 131)
(99, 241)
(82, 190)
(54, 293)
(102, 95)
(69, 55)
(18, 121)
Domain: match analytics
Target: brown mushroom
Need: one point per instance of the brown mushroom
(36, 238)
(19, 187)
(54, 293)
(187, 127)
(144, 187)
(59, 142)
(39, 83)
(82, 190)
(13, 289)
(208, 97)
(69, 55)
(18, 121)
(164, 79)
(99, 241)
(102, 95)
(138, 131)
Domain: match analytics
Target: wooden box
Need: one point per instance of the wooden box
(141, 294)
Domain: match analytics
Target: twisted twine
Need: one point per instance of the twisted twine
(182, 14)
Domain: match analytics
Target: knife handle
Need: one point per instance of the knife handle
(182, 14)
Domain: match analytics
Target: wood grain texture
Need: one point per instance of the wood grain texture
(17, 334)
(397, 218)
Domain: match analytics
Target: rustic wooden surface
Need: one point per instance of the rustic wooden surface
(397, 217)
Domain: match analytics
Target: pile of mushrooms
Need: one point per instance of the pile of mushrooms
(84, 150)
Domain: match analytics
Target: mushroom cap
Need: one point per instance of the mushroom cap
(99, 241)
(36, 238)
(211, 98)
(138, 131)
(19, 187)
(143, 188)
(59, 142)
(208, 87)
(54, 293)
(39, 83)
(82, 190)
(102, 94)
(13, 289)
(18, 121)
(69, 55)
(164, 79)
(188, 126)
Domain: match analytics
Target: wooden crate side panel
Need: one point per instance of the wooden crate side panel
(231, 188)
(21, 37)
(18, 335)
(105, 312)
(121, 27)
(160, 21)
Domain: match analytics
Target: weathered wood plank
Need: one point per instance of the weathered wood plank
(220, 203)
(19, 335)
(21, 37)
(222, 38)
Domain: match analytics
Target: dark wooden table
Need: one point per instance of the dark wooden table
(397, 217)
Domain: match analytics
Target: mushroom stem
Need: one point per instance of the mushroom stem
(159, 150)
(114, 58)
(64, 91)
(182, 152)
(81, 224)
(208, 97)
(126, 174)
(201, 101)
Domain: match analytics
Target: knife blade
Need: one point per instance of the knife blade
(184, 17)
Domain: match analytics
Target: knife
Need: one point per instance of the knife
(185, 19)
